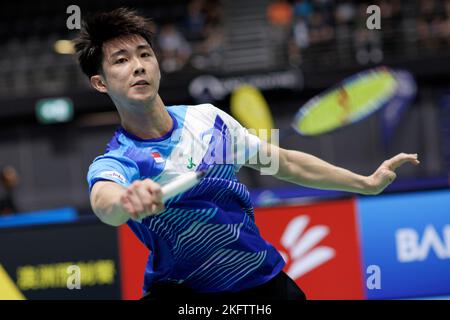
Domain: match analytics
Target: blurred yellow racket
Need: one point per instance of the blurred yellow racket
(250, 108)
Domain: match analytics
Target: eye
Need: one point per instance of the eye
(145, 54)
(121, 60)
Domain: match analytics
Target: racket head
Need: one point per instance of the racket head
(348, 102)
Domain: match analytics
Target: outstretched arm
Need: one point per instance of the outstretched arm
(307, 170)
(114, 204)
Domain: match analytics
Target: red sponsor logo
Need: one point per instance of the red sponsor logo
(320, 245)
(133, 260)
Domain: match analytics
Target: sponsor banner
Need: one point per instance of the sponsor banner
(214, 88)
(133, 260)
(320, 244)
(62, 261)
(407, 237)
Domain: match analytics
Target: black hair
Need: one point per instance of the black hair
(104, 26)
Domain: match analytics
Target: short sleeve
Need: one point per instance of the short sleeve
(117, 169)
(246, 144)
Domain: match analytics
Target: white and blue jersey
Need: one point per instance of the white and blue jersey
(206, 238)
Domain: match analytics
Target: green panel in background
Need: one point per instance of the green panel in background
(54, 110)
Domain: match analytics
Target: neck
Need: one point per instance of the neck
(149, 121)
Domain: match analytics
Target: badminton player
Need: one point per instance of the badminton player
(204, 242)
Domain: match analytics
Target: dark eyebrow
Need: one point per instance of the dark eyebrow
(121, 51)
(143, 46)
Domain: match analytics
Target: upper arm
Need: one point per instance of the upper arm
(272, 160)
(105, 201)
(105, 191)
(107, 178)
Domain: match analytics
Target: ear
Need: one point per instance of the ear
(99, 84)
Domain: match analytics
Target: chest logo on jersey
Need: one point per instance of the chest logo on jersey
(157, 156)
(190, 164)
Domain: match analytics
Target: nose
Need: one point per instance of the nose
(139, 68)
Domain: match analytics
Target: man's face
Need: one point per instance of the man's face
(130, 70)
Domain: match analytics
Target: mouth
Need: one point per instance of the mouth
(140, 83)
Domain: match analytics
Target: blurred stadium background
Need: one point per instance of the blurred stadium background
(53, 125)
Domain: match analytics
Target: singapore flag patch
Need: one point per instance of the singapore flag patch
(157, 156)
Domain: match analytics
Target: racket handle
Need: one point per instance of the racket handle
(181, 184)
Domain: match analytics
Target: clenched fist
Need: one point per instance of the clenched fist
(142, 198)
